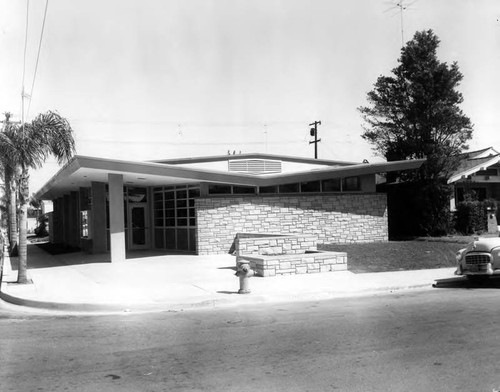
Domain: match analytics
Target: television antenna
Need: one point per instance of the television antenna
(401, 6)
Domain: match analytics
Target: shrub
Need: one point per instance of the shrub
(472, 216)
(41, 229)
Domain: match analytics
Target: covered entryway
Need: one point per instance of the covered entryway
(138, 227)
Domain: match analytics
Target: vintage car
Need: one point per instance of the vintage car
(481, 258)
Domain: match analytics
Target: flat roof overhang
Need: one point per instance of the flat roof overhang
(215, 158)
(81, 171)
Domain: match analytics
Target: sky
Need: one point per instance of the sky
(157, 79)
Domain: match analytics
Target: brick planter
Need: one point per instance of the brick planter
(272, 255)
(292, 264)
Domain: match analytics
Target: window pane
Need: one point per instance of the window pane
(243, 190)
(170, 222)
(182, 239)
(289, 188)
(169, 195)
(313, 186)
(192, 240)
(159, 240)
(195, 192)
(170, 238)
(137, 195)
(159, 222)
(332, 185)
(268, 189)
(217, 189)
(351, 184)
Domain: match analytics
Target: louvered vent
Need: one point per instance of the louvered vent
(255, 166)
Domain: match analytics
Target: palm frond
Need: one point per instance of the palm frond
(54, 133)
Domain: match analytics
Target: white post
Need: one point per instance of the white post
(116, 218)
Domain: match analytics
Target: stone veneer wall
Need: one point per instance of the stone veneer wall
(292, 264)
(262, 244)
(334, 218)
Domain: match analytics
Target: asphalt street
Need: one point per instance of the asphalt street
(441, 339)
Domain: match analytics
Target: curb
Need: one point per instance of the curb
(108, 308)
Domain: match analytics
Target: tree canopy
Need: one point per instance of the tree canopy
(27, 146)
(415, 112)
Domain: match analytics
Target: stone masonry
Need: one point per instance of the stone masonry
(268, 244)
(286, 255)
(333, 218)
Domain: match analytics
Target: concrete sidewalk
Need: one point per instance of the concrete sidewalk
(90, 283)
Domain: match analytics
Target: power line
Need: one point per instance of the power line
(38, 55)
(24, 62)
(265, 135)
(190, 124)
(179, 143)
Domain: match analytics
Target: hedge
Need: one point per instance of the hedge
(472, 216)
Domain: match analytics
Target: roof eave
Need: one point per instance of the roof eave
(100, 165)
(472, 170)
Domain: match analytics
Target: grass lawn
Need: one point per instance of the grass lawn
(398, 255)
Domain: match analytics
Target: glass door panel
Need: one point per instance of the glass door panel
(138, 230)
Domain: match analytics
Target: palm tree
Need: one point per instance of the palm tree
(10, 187)
(27, 147)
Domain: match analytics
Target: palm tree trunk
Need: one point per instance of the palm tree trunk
(22, 271)
(6, 181)
(13, 234)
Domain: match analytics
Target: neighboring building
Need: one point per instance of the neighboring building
(199, 204)
(478, 173)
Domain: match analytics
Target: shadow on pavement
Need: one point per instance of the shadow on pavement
(45, 255)
(465, 283)
(228, 268)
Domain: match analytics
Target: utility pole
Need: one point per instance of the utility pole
(314, 132)
(7, 121)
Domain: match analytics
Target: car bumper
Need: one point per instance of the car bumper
(482, 270)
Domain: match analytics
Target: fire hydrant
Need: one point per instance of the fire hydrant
(244, 272)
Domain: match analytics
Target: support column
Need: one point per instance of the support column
(116, 218)
(66, 220)
(74, 214)
(98, 217)
(55, 225)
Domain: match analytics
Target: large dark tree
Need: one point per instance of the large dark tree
(415, 113)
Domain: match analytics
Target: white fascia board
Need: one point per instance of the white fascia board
(468, 172)
(98, 166)
(165, 170)
(345, 171)
(225, 158)
(486, 153)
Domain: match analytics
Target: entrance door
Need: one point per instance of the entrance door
(138, 233)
